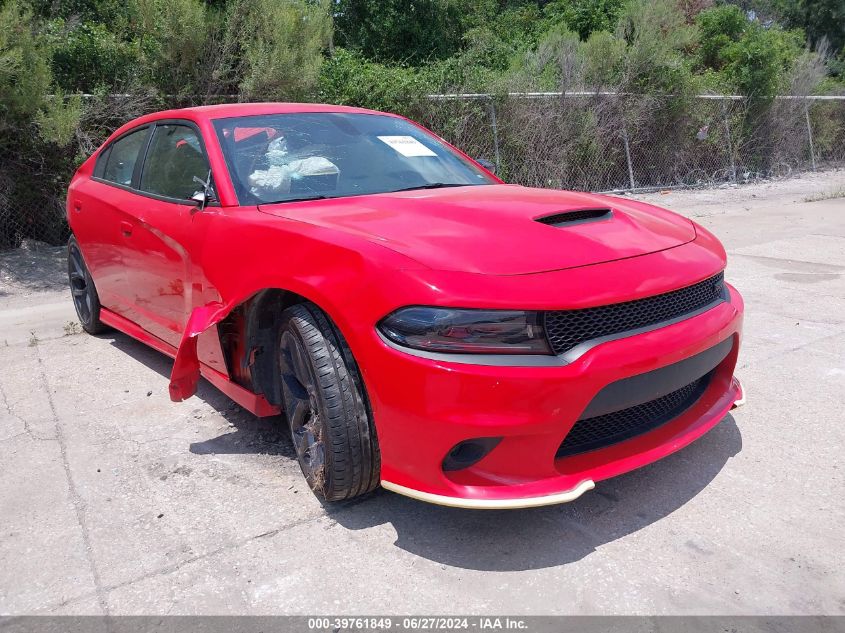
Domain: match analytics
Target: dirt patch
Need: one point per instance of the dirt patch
(27, 271)
(821, 185)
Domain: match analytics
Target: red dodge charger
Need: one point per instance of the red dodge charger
(421, 325)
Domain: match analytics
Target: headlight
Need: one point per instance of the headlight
(464, 331)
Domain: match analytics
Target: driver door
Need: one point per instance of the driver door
(161, 239)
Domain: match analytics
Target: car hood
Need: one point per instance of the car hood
(493, 229)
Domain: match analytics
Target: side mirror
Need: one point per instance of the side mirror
(486, 164)
(201, 199)
(203, 196)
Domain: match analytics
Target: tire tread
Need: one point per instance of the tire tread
(353, 460)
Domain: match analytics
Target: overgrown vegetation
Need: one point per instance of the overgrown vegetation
(131, 56)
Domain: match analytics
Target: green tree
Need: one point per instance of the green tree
(658, 40)
(173, 36)
(274, 49)
(584, 16)
(819, 19)
(24, 64)
(88, 56)
(603, 59)
(719, 27)
(116, 13)
(346, 78)
(27, 93)
(751, 58)
(398, 30)
(35, 121)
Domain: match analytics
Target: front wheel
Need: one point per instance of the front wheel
(85, 298)
(326, 406)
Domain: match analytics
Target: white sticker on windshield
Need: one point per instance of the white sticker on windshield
(407, 145)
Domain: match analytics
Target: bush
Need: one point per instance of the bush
(116, 13)
(35, 121)
(89, 55)
(397, 31)
(24, 66)
(346, 78)
(754, 60)
(173, 35)
(584, 16)
(603, 60)
(658, 38)
(275, 47)
(719, 27)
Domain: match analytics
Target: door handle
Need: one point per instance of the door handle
(126, 228)
(77, 206)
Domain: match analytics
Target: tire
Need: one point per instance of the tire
(84, 293)
(326, 405)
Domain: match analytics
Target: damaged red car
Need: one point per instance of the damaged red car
(420, 324)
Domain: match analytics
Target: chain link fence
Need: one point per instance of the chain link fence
(611, 142)
(582, 141)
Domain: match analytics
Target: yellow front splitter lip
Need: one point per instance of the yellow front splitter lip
(492, 504)
(740, 401)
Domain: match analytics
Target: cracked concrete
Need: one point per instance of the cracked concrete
(76, 499)
(115, 501)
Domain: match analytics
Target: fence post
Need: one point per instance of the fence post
(495, 127)
(810, 134)
(628, 157)
(730, 142)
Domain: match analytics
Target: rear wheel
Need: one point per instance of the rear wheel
(326, 406)
(85, 298)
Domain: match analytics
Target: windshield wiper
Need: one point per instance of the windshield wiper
(432, 185)
(302, 199)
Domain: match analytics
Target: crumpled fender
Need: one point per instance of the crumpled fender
(186, 368)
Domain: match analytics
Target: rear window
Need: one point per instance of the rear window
(121, 157)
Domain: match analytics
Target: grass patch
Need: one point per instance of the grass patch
(827, 195)
(72, 327)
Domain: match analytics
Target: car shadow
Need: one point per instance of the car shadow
(487, 540)
(515, 540)
(250, 435)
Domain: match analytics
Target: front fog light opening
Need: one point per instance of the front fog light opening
(469, 452)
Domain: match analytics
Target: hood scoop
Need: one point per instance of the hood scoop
(578, 216)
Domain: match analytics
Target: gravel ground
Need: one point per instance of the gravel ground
(115, 500)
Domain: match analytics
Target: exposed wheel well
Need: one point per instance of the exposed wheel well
(248, 341)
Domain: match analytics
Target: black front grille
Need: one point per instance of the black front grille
(568, 328)
(590, 434)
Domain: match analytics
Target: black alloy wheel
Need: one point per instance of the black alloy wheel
(85, 298)
(326, 406)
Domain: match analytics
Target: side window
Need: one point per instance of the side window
(174, 158)
(121, 158)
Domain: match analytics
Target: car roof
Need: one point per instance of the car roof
(225, 110)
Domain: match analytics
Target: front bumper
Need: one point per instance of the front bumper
(429, 406)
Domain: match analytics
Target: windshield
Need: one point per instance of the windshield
(285, 157)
